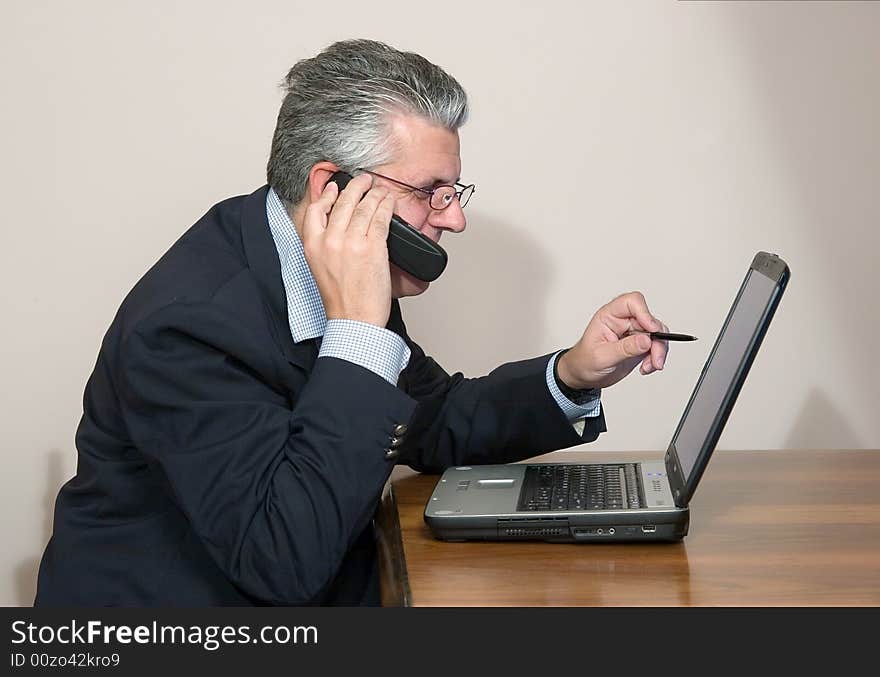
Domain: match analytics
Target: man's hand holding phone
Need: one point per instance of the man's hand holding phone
(344, 238)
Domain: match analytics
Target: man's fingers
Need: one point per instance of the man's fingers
(348, 201)
(381, 220)
(609, 355)
(659, 350)
(316, 214)
(633, 310)
(365, 212)
(328, 196)
(631, 313)
(655, 360)
(638, 308)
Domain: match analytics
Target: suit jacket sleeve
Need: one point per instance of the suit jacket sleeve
(505, 416)
(277, 485)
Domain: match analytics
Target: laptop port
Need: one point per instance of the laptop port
(649, 529)
(611, 530)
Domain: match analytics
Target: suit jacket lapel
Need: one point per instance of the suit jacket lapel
(262, 256)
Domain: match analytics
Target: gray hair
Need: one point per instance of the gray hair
(339, 105)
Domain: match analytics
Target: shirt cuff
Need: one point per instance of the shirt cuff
(571, 410)
(375, 348)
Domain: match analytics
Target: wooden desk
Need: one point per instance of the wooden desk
(768, 528)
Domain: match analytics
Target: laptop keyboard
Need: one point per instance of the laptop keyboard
(580, 487)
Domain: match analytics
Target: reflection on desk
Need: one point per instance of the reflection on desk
(768, 528)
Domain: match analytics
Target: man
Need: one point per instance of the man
(258, 384)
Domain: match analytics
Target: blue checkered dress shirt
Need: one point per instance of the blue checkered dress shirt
(380, 350)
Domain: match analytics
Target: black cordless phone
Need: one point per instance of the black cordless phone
(408, 249)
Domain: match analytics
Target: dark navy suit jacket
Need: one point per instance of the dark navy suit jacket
(220, 463)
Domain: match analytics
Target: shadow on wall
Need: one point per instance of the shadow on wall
(26, 571)
(489, 306)
(820, 425)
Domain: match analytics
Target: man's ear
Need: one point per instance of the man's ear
(319, 175)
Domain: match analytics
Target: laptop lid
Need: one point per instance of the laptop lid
(724, 373)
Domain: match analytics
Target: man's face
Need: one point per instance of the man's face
(428, 156)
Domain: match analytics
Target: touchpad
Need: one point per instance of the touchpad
(495, 484)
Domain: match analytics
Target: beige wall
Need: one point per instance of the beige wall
(616, 146)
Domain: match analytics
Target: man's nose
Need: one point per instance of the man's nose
(452, 218)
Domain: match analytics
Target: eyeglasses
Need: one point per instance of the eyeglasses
(440, 196)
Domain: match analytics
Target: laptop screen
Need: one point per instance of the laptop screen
(731, 349)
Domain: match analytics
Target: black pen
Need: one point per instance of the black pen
(665, 336)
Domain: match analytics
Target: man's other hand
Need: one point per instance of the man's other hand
(345, 245)
(607, 352)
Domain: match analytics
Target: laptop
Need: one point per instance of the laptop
(602, 502)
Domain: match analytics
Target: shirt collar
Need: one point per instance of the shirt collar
(305, 310)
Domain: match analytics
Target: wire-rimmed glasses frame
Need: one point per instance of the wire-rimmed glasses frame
(440, 197)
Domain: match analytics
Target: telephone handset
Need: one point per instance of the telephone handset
(408, 249)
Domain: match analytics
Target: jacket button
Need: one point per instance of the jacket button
(400, 429)
(396, 442)
(391, 454)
